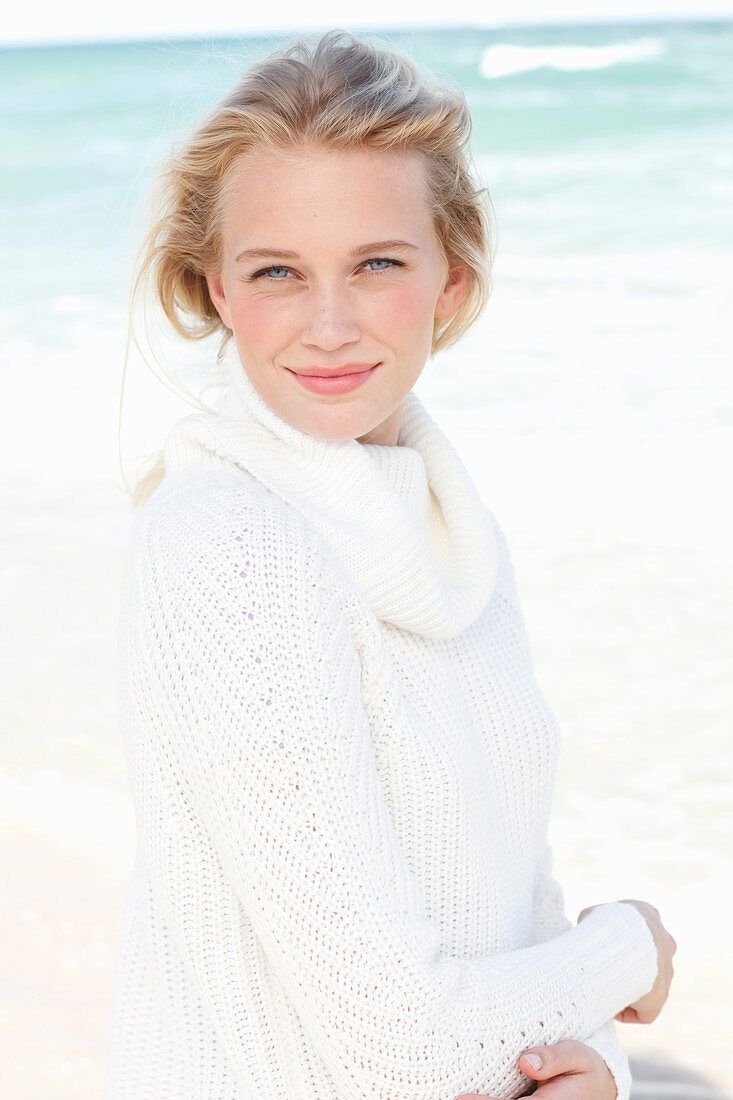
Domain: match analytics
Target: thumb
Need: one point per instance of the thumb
(567, 1056)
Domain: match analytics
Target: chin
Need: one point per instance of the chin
(334, 425)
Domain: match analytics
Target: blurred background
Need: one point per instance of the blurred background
(593, 404)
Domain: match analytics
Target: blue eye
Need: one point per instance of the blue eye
(275, 272)
(380, 260)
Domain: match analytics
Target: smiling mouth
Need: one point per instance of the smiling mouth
(339, 380)
(330, 372)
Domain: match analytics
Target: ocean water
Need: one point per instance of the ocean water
(593, 404)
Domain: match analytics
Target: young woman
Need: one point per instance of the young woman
(340, 760)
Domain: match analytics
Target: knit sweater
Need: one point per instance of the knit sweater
(342, 768)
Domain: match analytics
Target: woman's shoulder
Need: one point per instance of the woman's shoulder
(217, 505)
(221, 558)
(213, 524)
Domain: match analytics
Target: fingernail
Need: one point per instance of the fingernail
(534, 1060)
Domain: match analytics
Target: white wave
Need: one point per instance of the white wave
(506, 60)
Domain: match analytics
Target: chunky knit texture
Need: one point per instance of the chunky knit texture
(342, 769)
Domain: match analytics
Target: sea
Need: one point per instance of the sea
(592, 403)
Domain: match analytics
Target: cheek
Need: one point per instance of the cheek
(404, 313)
(260, 322)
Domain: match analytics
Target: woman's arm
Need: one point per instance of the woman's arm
(243, 690)
(550, 920)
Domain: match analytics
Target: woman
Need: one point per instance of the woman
(340, 760)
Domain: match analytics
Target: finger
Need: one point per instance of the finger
(563, 1088)
(628, 1015)
(567, 1056)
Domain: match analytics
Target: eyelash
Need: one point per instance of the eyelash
(262, 273)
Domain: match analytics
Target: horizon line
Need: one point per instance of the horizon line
(132, 39)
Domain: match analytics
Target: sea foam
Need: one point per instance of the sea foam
(507, 60)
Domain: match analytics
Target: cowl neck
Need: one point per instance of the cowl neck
(405, 521)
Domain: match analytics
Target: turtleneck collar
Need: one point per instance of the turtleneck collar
(405, 521)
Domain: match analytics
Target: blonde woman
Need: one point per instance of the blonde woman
(340, 760)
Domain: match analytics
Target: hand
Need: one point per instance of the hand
(569, 1070)
(648, 1007)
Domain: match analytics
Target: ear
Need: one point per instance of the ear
(218, 297)
(453, 292)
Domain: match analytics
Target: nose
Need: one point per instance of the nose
(331, 321)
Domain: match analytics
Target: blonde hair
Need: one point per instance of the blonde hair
(336, 92)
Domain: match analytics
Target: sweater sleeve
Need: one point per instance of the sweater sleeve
(242, 682)
(549, 921)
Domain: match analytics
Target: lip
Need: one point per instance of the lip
(343, 379)
(331, 372)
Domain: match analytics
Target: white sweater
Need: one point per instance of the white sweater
(342, 769)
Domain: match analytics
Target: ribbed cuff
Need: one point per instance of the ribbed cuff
(605, 1043)
(619, 957)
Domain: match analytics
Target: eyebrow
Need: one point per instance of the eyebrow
(285, 254)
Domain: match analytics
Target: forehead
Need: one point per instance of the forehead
(343, 194)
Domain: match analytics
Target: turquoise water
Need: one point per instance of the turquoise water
(631, 148)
